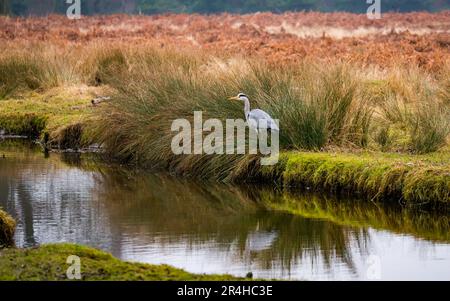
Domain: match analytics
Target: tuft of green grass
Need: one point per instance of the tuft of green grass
(7, 229)
(18, 73)
(416, 105)
(384, 138)
(430, 127)
(49, 263)
(35, 68)
(101, 63)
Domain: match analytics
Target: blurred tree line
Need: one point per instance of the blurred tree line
(91, 7)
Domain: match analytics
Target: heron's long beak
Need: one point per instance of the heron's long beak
(233, 98)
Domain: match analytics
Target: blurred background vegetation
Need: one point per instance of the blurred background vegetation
(91, 7)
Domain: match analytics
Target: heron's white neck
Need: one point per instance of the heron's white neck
(246, 107)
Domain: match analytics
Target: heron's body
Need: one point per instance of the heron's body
(257, 119)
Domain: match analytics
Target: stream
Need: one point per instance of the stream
(215, 229)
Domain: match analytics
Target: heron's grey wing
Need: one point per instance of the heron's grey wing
(259, 115)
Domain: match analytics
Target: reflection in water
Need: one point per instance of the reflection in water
(207, 228)
(432, 225)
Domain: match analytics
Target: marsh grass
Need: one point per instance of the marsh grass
(316, 106)
(19, 72)
(99, 62)
(417, 107)
(319, 104)
(35, 67)
(430, 127)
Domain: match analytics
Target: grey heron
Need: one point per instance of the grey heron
(257, 119)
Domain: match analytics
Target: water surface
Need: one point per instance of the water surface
(207, 228)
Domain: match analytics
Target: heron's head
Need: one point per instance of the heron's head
(241, 96)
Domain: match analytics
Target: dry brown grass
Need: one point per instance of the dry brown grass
(422, 39)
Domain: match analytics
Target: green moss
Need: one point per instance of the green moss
(414, 179)
(49, 262)
(27, 124)
(58, 116)
(7, 229)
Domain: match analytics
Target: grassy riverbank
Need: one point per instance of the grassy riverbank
(60, 117)
(382, 134)
(405, 178)
(49, 263)
(409, 179)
